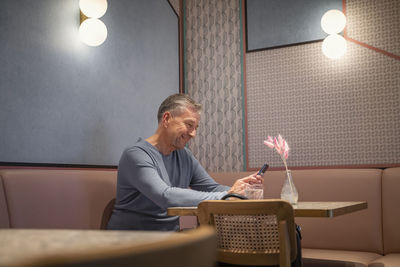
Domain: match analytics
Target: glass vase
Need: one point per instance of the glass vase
(289, 191)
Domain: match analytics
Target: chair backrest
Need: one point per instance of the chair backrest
(108, 210)
(251, 232)
(192, 248)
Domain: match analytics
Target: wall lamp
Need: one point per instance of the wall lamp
(333, 22)
(92, 31)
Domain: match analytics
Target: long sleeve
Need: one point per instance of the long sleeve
(202, 181)
(149, 182)
(141, 173)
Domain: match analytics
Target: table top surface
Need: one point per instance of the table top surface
(327, 209)
(17, 245)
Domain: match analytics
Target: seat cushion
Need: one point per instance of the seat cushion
(390, 210)
(389, 260)
(336, 258)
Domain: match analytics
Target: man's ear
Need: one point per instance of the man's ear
(166, 117)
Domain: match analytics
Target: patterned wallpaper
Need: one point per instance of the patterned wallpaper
(332, 112)
(213, 77)
(376, 23)
(344, 112)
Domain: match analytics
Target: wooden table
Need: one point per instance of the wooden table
(21, 245)
(328, 209)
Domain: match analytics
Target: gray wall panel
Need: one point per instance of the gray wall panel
(272, 23)
(66, 103)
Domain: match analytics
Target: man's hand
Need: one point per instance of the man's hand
(240, 184)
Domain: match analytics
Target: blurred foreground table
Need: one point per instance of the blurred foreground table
(328, 209)
(21, 245)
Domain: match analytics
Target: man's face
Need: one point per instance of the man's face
(182, 128)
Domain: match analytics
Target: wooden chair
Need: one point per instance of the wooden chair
(107, 214)
(251, 232)
(191, 248)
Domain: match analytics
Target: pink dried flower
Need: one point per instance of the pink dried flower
(269, 142)
(280, 145)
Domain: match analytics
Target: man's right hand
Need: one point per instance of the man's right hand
(240, 184)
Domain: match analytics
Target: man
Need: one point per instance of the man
(160, 172)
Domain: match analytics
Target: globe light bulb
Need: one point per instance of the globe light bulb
(333, 21)
(93, 8)
(334, 46)
(93, 32)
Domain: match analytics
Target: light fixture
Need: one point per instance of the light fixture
(93, 8)
(92, 31)
(333, 22)
(334, 46)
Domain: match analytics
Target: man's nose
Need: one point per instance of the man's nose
(192, 133)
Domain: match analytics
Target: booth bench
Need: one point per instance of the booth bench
(82, 199)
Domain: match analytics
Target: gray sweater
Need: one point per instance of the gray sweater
(150, 182)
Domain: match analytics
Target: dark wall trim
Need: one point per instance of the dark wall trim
(181, 49)
(169, 2)
(282, 46)
(23, 165)
(363, 166)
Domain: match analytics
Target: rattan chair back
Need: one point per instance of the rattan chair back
(251, 232)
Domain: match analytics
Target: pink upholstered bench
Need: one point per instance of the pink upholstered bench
(365, 238)
(76, 199)
(55, 198)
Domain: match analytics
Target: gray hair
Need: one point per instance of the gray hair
(176, 104)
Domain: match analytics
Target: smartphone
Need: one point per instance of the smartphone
(263, 169)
